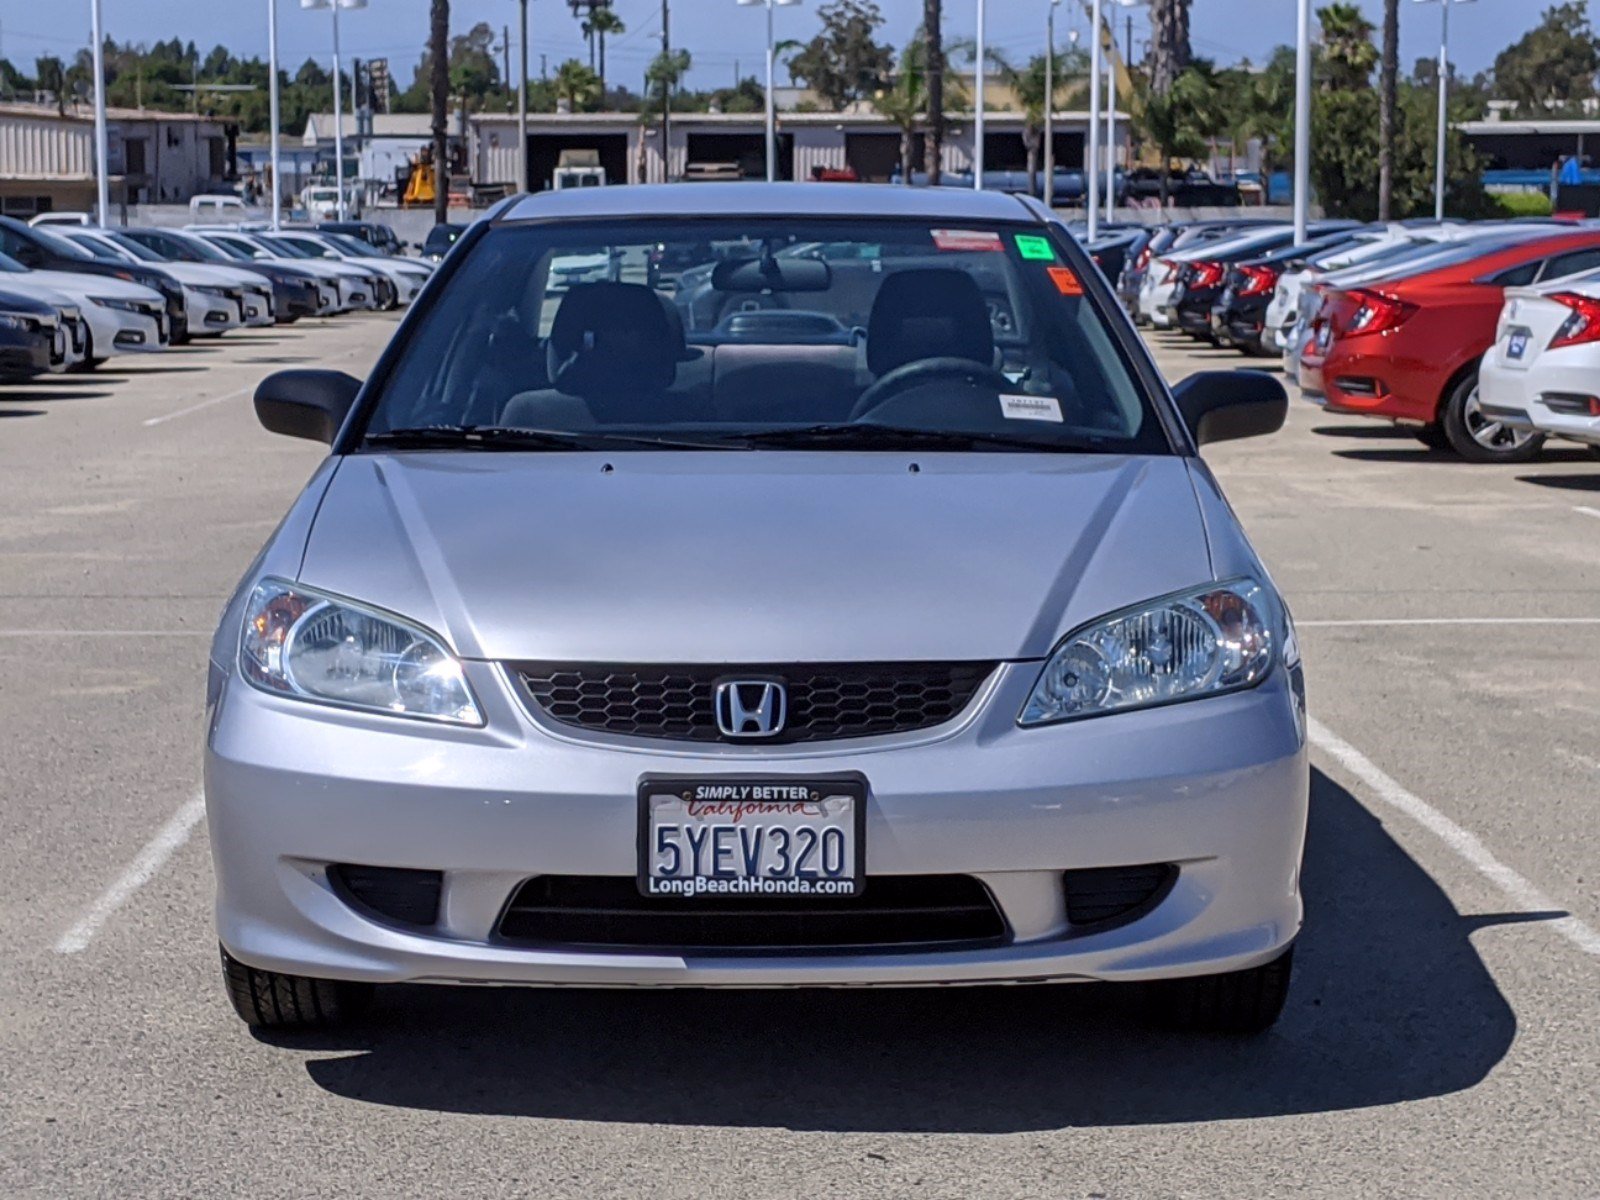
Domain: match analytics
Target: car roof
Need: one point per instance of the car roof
(768, 199)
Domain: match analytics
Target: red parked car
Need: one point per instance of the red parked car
(1407, 350)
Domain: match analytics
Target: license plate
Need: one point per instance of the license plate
(734, 837)
(1517, 343)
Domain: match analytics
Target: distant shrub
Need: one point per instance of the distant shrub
(1524, 204)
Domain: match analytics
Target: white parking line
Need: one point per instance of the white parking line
(193, 408)
(140, 871)
(1466, 844)
(1380, 621)
(1586, 510)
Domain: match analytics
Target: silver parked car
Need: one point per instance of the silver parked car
(883, 628)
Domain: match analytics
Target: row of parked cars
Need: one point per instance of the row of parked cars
(1481, 338)
(73, 295)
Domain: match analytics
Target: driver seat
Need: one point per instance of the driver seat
(931, 312)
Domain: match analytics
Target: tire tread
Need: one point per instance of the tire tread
(273, 1000)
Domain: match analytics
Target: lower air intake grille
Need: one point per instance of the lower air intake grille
(1103, 896)
(894, 912)
(398, 893)
(825, 701)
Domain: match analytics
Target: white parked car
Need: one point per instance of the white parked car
(1161, 279)
(1543, 371)
(352, 286)
(407, 275)
(120, 317)
(215, 299)
(62, 218)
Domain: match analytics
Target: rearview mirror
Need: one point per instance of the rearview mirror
(306, 404)
(771, 275)
(1219, 406)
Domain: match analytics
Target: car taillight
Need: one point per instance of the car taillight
(1206, 274)
(1378, 313)
(1143, 260)
(1256, 280)
(1582, 326)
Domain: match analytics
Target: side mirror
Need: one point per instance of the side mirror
(306, 404)
(1219, 406)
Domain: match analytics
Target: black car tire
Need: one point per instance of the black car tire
(1458, 421)
(1246, 1001)
(272, 1000)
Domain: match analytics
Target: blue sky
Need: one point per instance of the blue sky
(722, 36)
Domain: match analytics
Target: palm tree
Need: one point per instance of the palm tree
(1170, 54)
(1388, 74)
(1347, 47)
(439, 48)
(934, 64)
(604, 22)
(576, 84)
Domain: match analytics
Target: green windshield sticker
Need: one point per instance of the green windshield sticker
(1033, 247)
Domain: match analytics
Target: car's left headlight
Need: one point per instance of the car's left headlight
(307, 644)
(119, 303)
(1216, 638)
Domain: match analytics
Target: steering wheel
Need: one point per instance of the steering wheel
(924, 371)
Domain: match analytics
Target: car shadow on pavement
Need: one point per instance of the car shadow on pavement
(1574, 483)
(1422, 454)
(36, 395)
(1366, 430)
(20, 412)
(1390, 1003)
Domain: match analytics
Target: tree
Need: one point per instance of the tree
(1348, 54)
(604, 23)
(843, 63)
(1551, 70)
(1030, 87)
(667, 69)
(1170, 54)
(1182, 122)
(1388, 82)
(52, 76)
(474, 73)
(933, 65)
(439, 44)
(577, 86)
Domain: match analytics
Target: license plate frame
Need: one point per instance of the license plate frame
(753, 789)
(1517, 340)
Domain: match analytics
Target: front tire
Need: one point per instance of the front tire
(272, 1000)
(1246, 1001)
(1479, 438)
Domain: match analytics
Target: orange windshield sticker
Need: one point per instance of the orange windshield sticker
(1067, 283)
(966, 239)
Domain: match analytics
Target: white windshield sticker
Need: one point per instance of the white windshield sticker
(1030, 408)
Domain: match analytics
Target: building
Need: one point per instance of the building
(809, 143)
(379, 148)
(47, 158)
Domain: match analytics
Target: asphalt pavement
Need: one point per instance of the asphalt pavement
(1442, 1038)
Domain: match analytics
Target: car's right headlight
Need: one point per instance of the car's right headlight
(310, 645)
(15, 321)
(1216, 638)
(119, 303)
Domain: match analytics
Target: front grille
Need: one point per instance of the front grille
(893, 912)
(825, 701)
(401, 894)
(1105, 896)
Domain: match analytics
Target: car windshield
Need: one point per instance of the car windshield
(280, 246)
(228, 249)
(97, 248)
(127, 244)
(769, 332)
(11, 266)
(350, 245)
(63, 246)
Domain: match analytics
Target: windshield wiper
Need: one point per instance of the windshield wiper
(510, 437)
(852, 436)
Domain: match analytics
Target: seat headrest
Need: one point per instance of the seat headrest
(611, 337)
(936, 312)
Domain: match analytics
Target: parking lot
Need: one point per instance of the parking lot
(1443, 1036)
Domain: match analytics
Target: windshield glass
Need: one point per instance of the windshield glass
(350, 245)
(63, 246)
(280, 246)
(11, 266)
(718, 329)
(133, 248)
(229, 248)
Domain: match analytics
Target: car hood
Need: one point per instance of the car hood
(211, 276)
(80, 285)
(755, 557)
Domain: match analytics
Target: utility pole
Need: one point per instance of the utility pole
(666, 92)
(102, 153)
(273, 103)
(522, 105)
(505, 47)
(978, 103)
(1302, 120)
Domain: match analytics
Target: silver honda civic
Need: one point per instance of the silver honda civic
(830, 593)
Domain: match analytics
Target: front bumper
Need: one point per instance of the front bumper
(24, 354)
(1218, 787)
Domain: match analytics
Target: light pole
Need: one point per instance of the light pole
(977, 123)
(1091, 178)
(1302, 122)
(522, 105)
(1441, 152)
(275, 113)
(772, 108)
(1111, 111)
(338, 97)
(1050, 104)
(102, 155)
